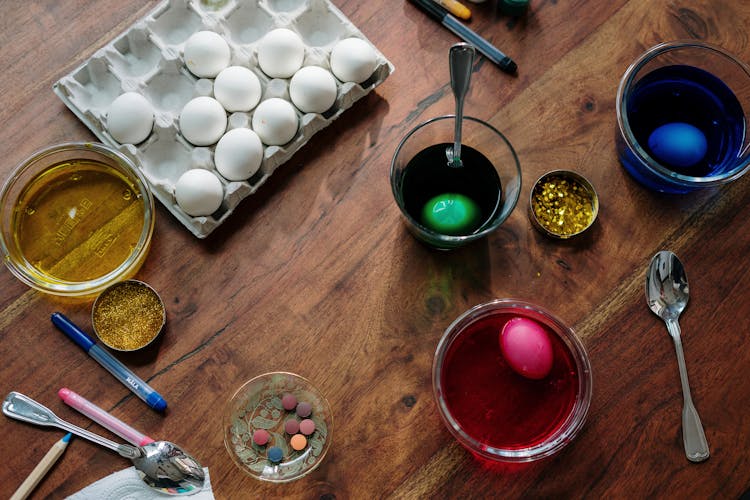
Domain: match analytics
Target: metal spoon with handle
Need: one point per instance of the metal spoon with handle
(460, 59)
(162, 465)
(667, 295)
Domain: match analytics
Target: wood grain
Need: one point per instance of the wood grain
(316, 274)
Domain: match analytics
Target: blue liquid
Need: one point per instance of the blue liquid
(688, 95)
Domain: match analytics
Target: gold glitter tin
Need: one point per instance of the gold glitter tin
(563, 204)
(128, 315)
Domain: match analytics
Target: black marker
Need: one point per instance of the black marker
(483, 46)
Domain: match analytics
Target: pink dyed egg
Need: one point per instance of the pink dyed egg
(527, 348)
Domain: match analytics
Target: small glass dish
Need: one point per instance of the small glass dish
(258, 405)
(75, 218)
(563, 204)
(492, 410)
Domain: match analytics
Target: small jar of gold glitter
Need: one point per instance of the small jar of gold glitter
(563, 204)
(128, 315)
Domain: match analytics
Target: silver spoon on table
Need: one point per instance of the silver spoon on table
(461, 59)
(667, 295)
(162, 465)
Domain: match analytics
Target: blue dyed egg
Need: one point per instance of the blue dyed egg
(678, 144)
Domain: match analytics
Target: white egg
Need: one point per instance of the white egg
(130, 118)
(238, 154)
(206, 53)
(280, 53)
(237, 88)
(203, 121)
(353, 60)
(199, 192)
(275, 121)
(313, 89)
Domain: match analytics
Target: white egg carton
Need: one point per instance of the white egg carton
(147, 58)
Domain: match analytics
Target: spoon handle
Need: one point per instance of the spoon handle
(22, 407)
(461, 58)
(693, 437)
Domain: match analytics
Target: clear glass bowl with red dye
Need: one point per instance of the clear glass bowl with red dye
(492, 410)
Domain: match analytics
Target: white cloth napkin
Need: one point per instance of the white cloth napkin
(127, 485)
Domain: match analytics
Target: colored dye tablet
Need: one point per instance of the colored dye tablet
(304, 409)
(291, 426)
(307, 427)
(298, 442)
(678, 144)
(289, 402)
(451, 213)
(526, 347)
(275, 454)
(261, 437)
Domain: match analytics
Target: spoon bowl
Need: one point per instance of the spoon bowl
(667, 296)
(667, 290)
(165, 466)
(162, 465)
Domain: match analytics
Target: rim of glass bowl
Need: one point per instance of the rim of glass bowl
(624, 124)
(575, 419)
(452, 241)
(17, 263)
(227, 418)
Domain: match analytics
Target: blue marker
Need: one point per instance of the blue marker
(113, 366)
(486, 48)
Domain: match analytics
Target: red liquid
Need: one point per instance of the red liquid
(495, 405)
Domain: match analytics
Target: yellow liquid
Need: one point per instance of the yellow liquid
(78, 221)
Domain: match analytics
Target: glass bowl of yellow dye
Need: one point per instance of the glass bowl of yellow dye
(75, 218)
(563, 204)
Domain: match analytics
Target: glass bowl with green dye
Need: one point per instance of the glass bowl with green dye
(448, 206)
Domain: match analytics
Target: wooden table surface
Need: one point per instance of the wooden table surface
(316, 274)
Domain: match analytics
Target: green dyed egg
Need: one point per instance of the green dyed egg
(451, 213)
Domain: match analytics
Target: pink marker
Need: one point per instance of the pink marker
(103, 418)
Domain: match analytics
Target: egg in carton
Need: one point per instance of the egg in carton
(206, 140)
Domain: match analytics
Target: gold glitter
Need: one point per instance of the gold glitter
(128, 315)
(562, 205)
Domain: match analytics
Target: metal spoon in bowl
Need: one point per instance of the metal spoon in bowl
(162, 465)
(667, 295)
(461, 59)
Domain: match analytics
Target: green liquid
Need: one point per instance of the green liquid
(476, 185)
